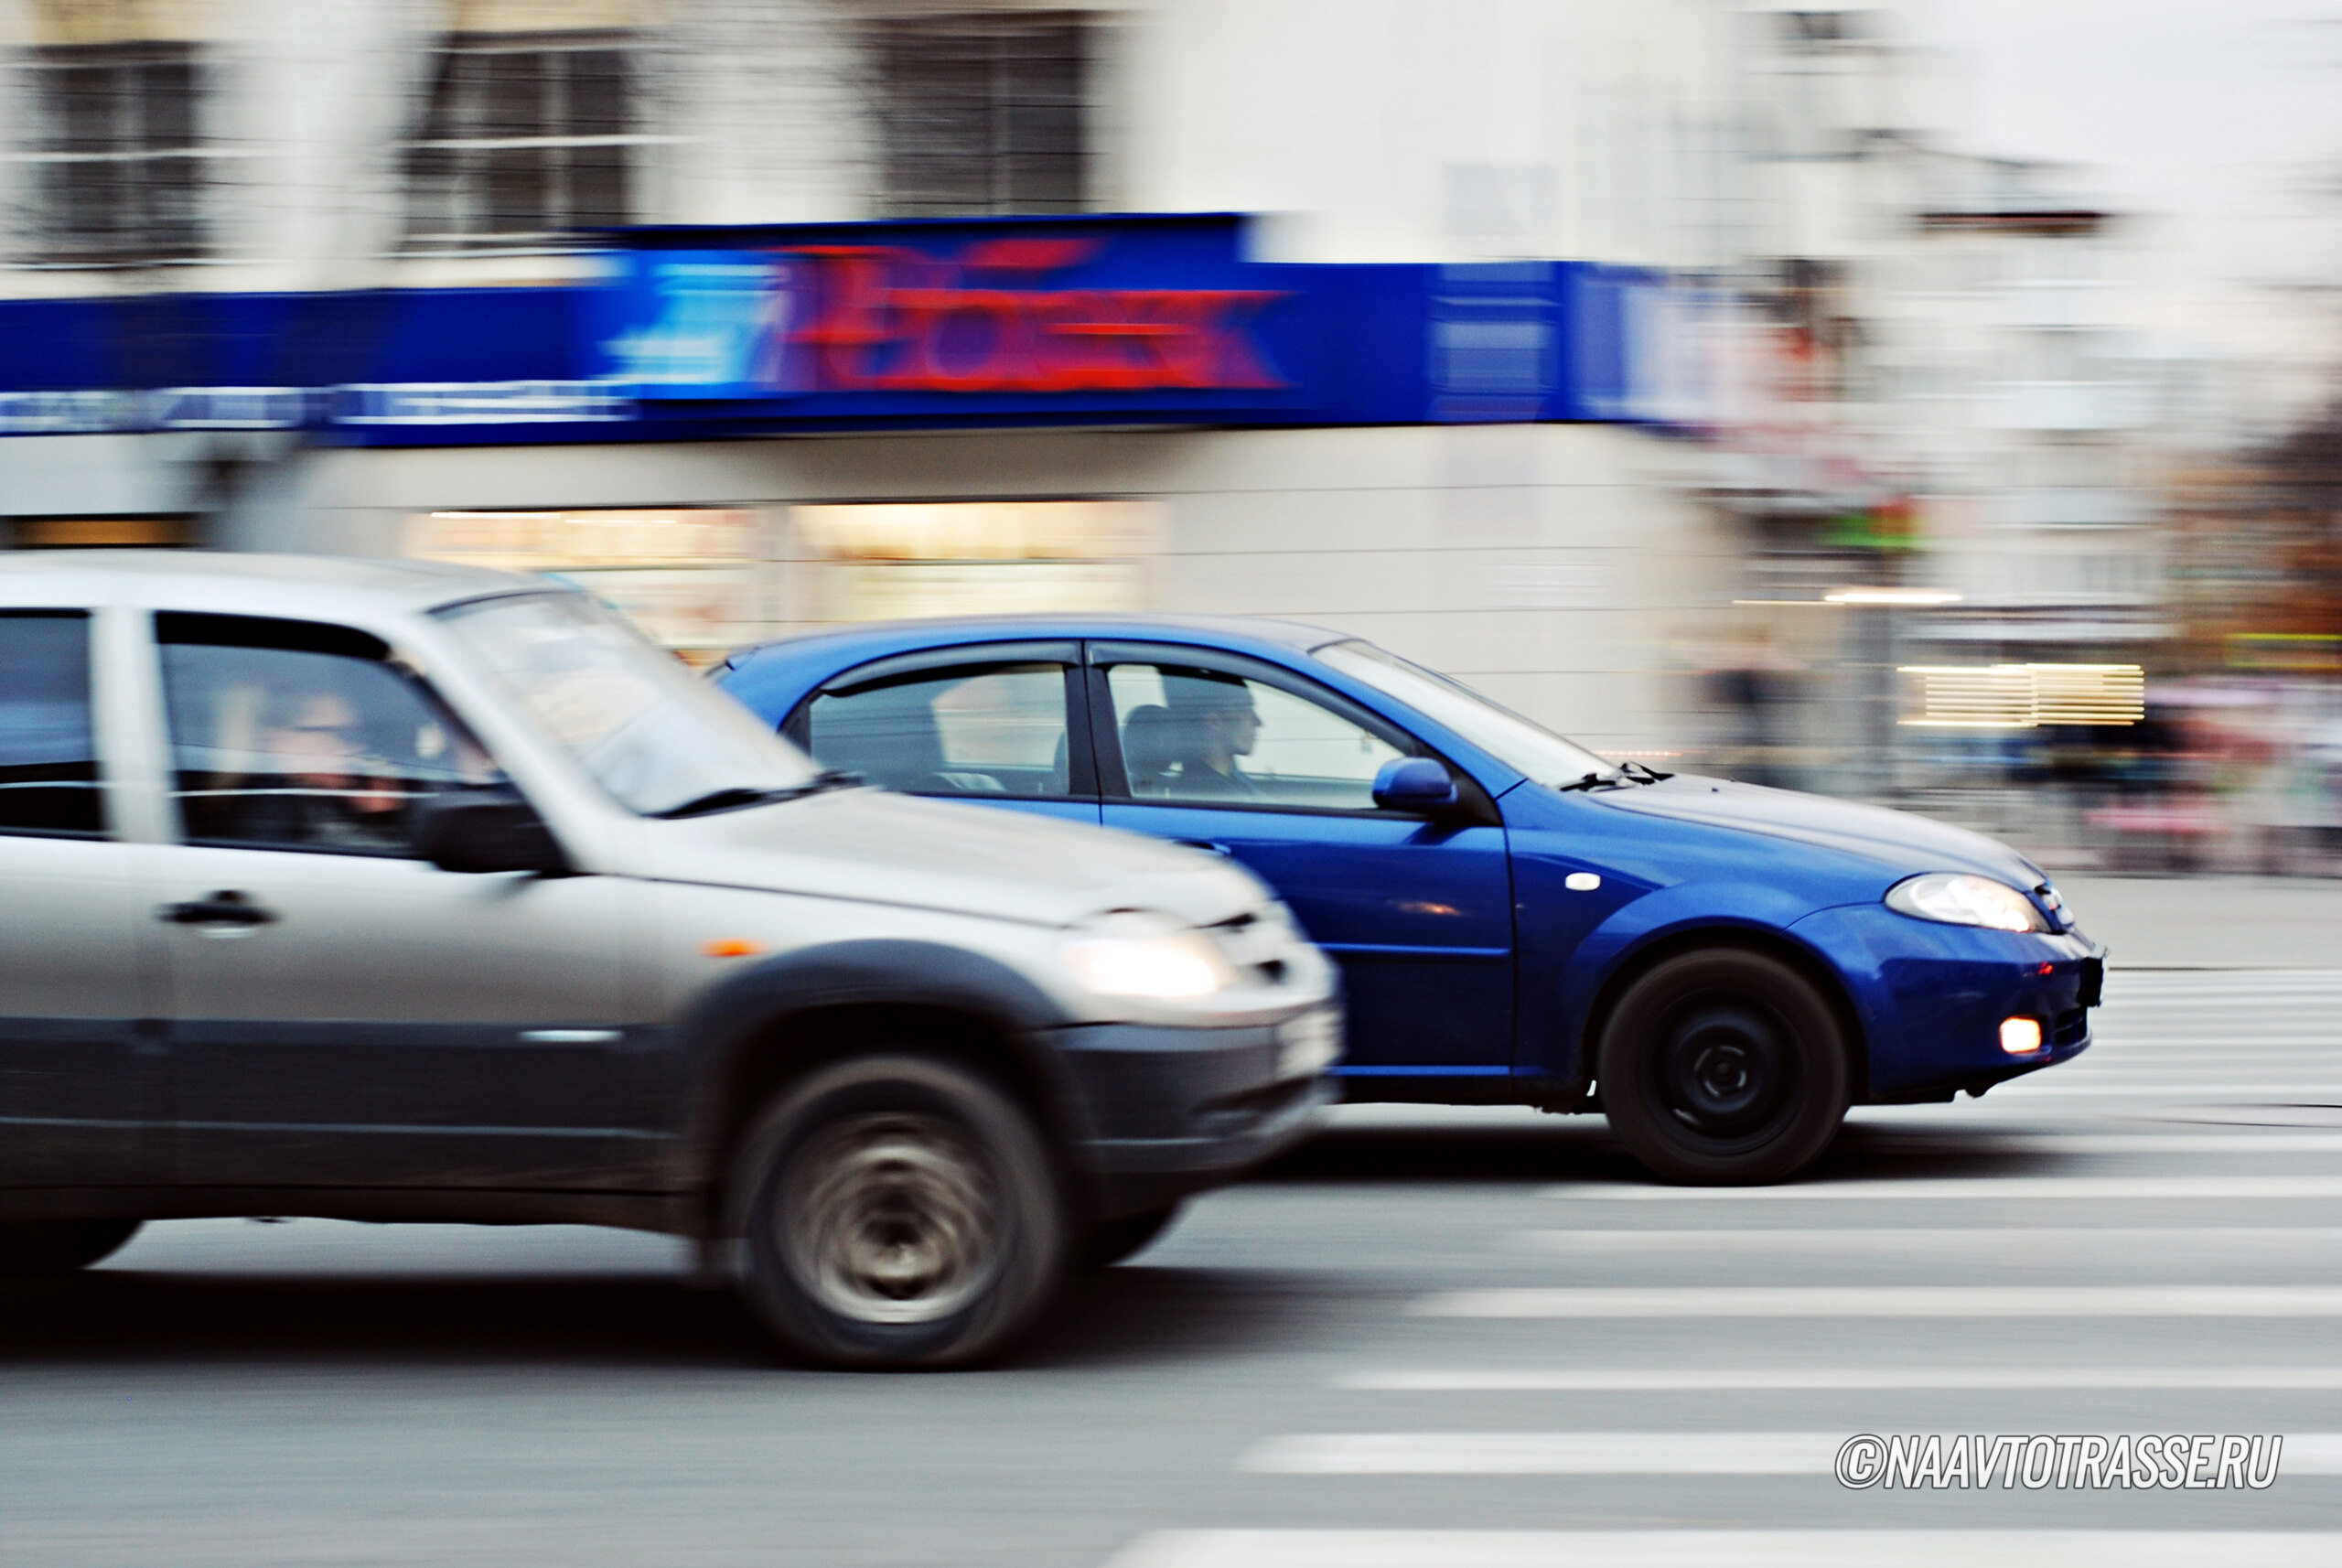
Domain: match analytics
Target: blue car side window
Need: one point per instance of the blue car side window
(1210, 736)
(984, 730)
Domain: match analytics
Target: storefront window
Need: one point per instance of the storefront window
(954, 558)
(692, 578)
(701, 581)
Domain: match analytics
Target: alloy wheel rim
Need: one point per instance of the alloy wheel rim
(891, 1219)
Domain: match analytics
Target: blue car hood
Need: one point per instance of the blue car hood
(1899, 841)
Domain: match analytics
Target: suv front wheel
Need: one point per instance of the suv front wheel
(897, 1211)
(1723, 1067)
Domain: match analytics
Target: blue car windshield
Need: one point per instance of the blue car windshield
(1528, 748)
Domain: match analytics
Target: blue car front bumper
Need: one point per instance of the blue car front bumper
(1932, 997)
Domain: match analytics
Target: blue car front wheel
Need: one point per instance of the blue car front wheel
(1723, 1067)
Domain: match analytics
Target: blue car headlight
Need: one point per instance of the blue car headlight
(1956, 898)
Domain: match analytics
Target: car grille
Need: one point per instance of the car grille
(1257, 947)
(2072, 1025)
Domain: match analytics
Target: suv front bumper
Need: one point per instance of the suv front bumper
(1170, 1112)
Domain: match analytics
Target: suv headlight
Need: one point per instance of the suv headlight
(1955, 898)
(1137, 953)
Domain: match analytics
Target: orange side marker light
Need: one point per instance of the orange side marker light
(731, 947)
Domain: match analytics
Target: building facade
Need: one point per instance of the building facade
(1512, 517)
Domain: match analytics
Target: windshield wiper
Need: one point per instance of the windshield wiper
(1619, 773)
(734, 797)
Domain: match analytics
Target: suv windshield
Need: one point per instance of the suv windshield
(642, 726)
(1526, 748)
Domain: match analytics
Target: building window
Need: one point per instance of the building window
(984, 114)
(119, 171)
(522, 137)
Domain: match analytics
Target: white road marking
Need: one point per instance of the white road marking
(1728, 1548)
(1717, 1380)
(1980, 1189)
(2059, 1239)
(1619, 1453)
(2216, 1043)
(1548, 1454)
(1954, 1140)
(2013, 1304)
(2210, 1090)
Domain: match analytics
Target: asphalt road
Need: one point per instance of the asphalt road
(1431, 1340)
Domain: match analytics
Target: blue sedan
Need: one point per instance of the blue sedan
(1720, 969)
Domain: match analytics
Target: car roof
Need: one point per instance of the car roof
(878, 638)
(249, 584)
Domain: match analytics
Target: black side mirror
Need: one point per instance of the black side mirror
(487, 830)
(1413, 784)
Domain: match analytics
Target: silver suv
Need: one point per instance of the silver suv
(400, 892)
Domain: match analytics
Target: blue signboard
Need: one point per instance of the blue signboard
(978, 320)
(694, 334)
(701, 324)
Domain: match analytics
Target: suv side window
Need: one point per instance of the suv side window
(995, 729)
(294, 735)
(48, 755)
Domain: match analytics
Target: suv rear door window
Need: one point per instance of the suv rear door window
(48, 755)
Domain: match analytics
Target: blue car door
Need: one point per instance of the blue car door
(1250, 760)
(994, 724)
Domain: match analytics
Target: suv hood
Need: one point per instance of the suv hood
(874, 847)
(1904, 844)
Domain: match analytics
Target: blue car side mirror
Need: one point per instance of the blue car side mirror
(1413, 784)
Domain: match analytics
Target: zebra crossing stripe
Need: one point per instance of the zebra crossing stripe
(1616, 1454)
(2061, 1241)
(1971, 1190)
(1728, 1548)
(2014, 1304)
(1719, 1379)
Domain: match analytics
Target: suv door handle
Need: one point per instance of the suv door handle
(1207, 845)
(225, 907)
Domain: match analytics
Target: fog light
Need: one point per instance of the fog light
(2020, 1036)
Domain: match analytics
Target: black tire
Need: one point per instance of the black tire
(42, 1248)
(895, 1211)
(1724, 1067)
(1112, 1240)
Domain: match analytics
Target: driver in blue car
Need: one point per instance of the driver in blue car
(1214, 722)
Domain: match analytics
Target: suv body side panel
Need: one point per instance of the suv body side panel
(681, 1085)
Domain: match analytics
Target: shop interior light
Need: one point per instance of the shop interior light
(1916, 597)
(2026, 696)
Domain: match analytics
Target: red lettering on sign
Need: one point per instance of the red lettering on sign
(891, 319)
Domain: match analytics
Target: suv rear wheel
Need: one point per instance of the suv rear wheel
(34, 1249)
(1724, 1067)
(897, 1211)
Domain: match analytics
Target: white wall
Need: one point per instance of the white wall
(1382, 130)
